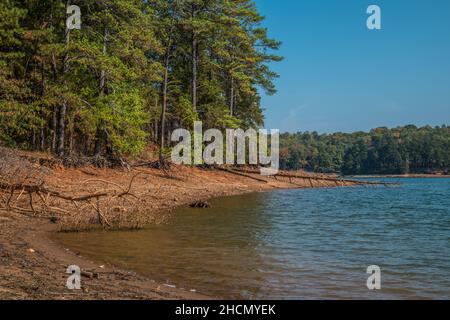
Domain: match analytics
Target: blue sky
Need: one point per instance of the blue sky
(339, 76)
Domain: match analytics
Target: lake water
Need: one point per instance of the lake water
(296, 244)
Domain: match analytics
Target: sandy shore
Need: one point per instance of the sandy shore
(32, 266)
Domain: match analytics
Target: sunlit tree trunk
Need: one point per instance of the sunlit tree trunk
(63, 108)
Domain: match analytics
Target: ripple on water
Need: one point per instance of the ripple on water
(297, 244)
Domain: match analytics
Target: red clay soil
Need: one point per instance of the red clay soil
(32, 266)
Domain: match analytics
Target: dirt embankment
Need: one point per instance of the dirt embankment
(33, 267)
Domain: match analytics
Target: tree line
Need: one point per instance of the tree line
(402, 150)
(136, 70)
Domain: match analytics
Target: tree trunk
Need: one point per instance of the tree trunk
(155, 123)
(194, 71)
(61, 129)
(55, 128)
(232, 97)
(63, 108)
(55, 108)
(103, 72)
(42, 138)
(99, 136)
(165, 85)
(164, 103)
(42, 132)
(194, 63)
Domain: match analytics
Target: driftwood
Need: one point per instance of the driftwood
(239, 173)
(45, 194)
(314, 178)
(23, 190)
(41, 189)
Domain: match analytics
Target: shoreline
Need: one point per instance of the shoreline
(33, 265)
(399, 176)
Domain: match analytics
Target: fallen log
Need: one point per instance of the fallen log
(335, 180)
(235, 172)
(40, 190)
(30, 189)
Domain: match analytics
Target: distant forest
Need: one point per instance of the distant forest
(381, 151)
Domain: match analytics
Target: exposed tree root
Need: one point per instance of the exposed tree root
(47, 196)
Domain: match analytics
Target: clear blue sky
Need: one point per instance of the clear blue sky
(339, 76)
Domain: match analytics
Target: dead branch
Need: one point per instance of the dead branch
(321, 179)
(242, 174)
(55, 200)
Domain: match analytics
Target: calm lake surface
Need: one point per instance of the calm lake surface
(296, 244)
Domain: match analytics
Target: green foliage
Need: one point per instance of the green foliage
(100, 89)
(382, 151)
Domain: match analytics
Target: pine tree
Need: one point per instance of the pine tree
(134, 72)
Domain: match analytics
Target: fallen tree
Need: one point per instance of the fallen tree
(292, 176)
